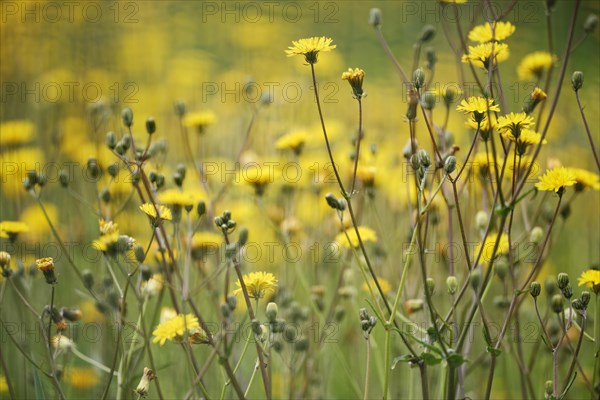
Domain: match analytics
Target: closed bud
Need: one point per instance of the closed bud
(450, 164)
(105, 195)
(578, 305)
(562, 280)
(225, 311)
(431, 57)
(41, 180)
(140, 253)
(232, 302)
(418, 78)
(63, 178)
(226, 215)
(427, 33)
(150, 125)
(113, 169)
(88, 279)
(365, 325)
(144, 386)
(411, 112)
(145, 272)
(428, 101)
(568, 292)
(501, 267)
(111, 140)
(301, 344)
(424, 158)
(92, 168)
(332, 201)
(548, 387)
(452, 284)
(178, 179)
(363, 314)
(70, 314)
(375, 17)
(271, 312)
(590, 23)
(550, 285)
(557, 303)
(127, 116)
(342, 204)
(415, 163)
(181, 169)
(536, 234)
(577, 80)
(120, 148)
(430, 283)
(243, 238)
(585, 297)
(201, 208)
(481, 220)
(180, 108)
(256, 327)
(475, 278)
(160, 181)
(535, 289)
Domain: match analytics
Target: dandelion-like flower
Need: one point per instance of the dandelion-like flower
(586, 179)
(355, 79)
(150, 210)
(16, 132)
(199, 120)
(12, 229)
(310, 48)
(526, 138)
(259, 284)
(481, 54)
(176, 197)
(366, 234)
(175, 328)
(556, 179)
(490, 243)
(483, 33)
(515, 123)
(46, 265)
(591, 279)
(82, 378)
(293, 141)
(533, 65)
(478, 106)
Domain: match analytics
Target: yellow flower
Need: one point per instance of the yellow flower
(176, 197)
(488, 247)
(586, 179)
(538, 95)
(485, 125)
(310, 48)
(175, 328)
(259, 284)
(150, 210)
(366, 173)
(203, 240)
(199, 120)
(533, 65)
(3, 385)
(556, 179)
(107, 227)
(293, 141)
(481, 164)
(16, 132)
(452, 1)
(386, 287)
(152, 286)
(106, 242)
(515, 123)
(12, 228)
(82, 378)
(355, 79)
(479, 106)
(591, 279)
(526, 138)
(366, 234)
(481, 54)
(483, 33)
(45, 264)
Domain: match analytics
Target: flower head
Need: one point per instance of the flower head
(150, 210)
(556, 179)
(144, 385)
(82, 378)
(514, 123)
(526, 138)
(586, 179)
(176, 197)
(12, 229)
(16, 132)
(294, 141)
(355, 79)
(46, 265)
(175, 328)
(258, 284)
(479, 106)
(199, 120)
(310, 48)
(488, 246)
(533, 65)
(483, 33)
(591, 279)
(366, 234)
(481, 54)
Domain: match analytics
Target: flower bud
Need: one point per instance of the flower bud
(363, 314)
(590, 23)
(578, 305)
(232, 302)
(585, 297)
(481, 220)
(144, 386)
(430, 57)
(46, 265)
(150, 125)
(475, 278)
(452, 284)
(536, 234)
(550, 285)
(548, 388)
(535, 289)
(562, 280)
(332, 201)
(105, 195)
(568, 292)
(4, 259)
(127, 116)
(577, 80)
(271, 312)
(424, 159)
(413, 305)
(418, 78)
(430, 283)
(557, 303)
(145, 272)
(111, 140)
(70, 314)
(243, 237)
(427, 33)
(140, 253)
(256, 327)
(88, 279)
(375, 17)
(450, 164)
(428, 101)
(201, 208)
(301, 344)
(501, 267)
(180, 108)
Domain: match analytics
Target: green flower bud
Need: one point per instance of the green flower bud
(111, 140)
(481, 220)
(301, 344)
(501, 267)
(450, 164)
(363, 314)
(562, 280)
(150, 125)
(332, 201)
(127, 116)
(225, 311)
(375, 17)
(430, 283)
(365, 325)
(428, 101)
(178, 179)
(63, 178)
(256, 327)
(585, 297)
(418, 78)
(113, 169)
(568, 292)
(536, 234)
(181, 169)
(549, 388)
(145, 272)
(88, 279)
(140, 253)
(577, 80)
(243, 238)
(180, 108)
(105, 195)
(427, 33)
(232, 302)
(201, 208)
(475, 278)
(550, 285)
(590, 23)
(424, 159)
(535, 289)
(430, 57)
(578, 305)
(557, 303)
(452, 284)
(271, 312)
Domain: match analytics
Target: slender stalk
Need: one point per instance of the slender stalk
(596, 345)
(368, 367)
(587, 130)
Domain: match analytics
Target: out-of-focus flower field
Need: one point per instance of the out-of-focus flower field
(296, 199)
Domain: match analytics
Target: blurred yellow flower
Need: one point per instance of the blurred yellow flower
(366, 234)
(483, 33)
(586, 179)
(3, 385)
(526, 138)
(386, 287)
(481, 54)
(591, 279)
(366, 173)
(533, 65)
(310, 48)
(176, 197)
(175, 328)
(12, 228)
(199, 120)
(488, 247)
(294, 141)
(203, 240)
(259, 284)
(150, 210)
(82, 378)
(556, 179)
(16, 132)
